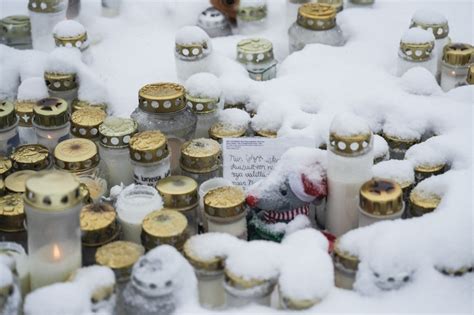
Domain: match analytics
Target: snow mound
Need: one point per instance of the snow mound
(417, 36)
(204, 85)
(349, 124)
(32, 89)
(234, 118)
(189, 35)
(68, 28)
(419, 81)
(63, 60)
(211, 245)
(427, 16)
(400, 171)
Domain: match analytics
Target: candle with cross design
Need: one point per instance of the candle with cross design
(51, 121)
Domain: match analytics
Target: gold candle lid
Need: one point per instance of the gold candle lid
(338, 5)
(6, 166)
(60, 81)
(440, 30)
(220, 131)
(148, 147)
(7, 115)
(426, 170)
(79, 104)
(76, 40)
(24, 111)
(116, 132)
(120, 257)
(30, 157)
(422, 203)
(316, 16)
(178, 192)
(381, 197)
(252, 13)
(243, 282)
(458, 54)
(85, 122)
(16, 182)
(350, 145)
(46, 6)
(15, 26)
(212, 264)
(76, 155)
(52, 191)
(343, 258)
(164, 227)
(470, 75)
(200, 156)
(200, 105)
(399, 142)
(266, 133)
(98, 224)
(298, 305)
(417, 51)
(51, 112)
(454, 272)
(254, 50)
(225, 202)
(12, 213)
(162, 98)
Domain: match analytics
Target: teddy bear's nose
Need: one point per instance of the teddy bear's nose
(251, 200)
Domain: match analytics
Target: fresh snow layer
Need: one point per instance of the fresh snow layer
(417, 36)
(191, 35)
(204, 85)
(95, 277)
(419, 81)
(32, 89)
(63, 60)
(68, 28)
(400, 171)
(380, 146)
(234, 118)
(213, 245)
(348, 124)
(427, 16)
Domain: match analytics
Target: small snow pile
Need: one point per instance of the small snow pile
(63, 60)
(306, 237)
(189, 35)
(208, 246)
(60, 298)
(6, 276)
(462, 94)
(349, 124)
(68, 28)
(417, 36)
(434, 186)
(267, 120)
(91, 88)
(298, 223)
(233, 118)
(9, 73)
(203, 85)
(95, 278)
(400, 171)
(145, 199)
(380, 146)
(425, 154)
(427, 16)
(32, 89)
(397, 127)
(236, 91)
(419, 81)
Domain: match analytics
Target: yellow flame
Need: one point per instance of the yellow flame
(49, 137)
(56, 252)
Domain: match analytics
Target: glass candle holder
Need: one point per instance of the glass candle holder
(12, 220)
(225, 211)
(111, 8)
(44, 15)
(62, 85)
(133, 204)
(180, 193)
(99, 226)
(51, 121)
(162, 107)
(399, 145)
(85, 123)
(315, 24)
(201, 159)
(455, 65)
(204, 188)
(24, 111)
(380, 199)
(15, 182)
(70, 33)
(81, 158)
(164, 227)
(416, 50)
(422, 203)
(345, 267)
(16, 31)
(9, 136)
(115, 134)
(52, 204)
(220, 131)
(214, 23)
(150, 157)
(256, 55)
(17, 252)
(33, 157)
(252, 16)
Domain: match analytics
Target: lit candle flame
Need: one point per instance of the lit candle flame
(49, 137)
(56, 253)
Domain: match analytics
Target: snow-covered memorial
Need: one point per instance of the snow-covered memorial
(226, 156)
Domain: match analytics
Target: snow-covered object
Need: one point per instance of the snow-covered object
(63, 60)
(236, 91)
(251, 16)
(349, 124)
(267, 120)
(426, 154)
(401, 171)
(427, 16)
(381, 152)
(10, 294)
(92, 88)
(32, 89)
(203, 85)
(234, 119)
(9, 72)
(462, 94)
(68, 28)
(214, 23)
(416, 50)
(43, 22)
(191, 35)
(417, 36)
(299, 240)
(59, 298)
(419, 81)
(208, 246)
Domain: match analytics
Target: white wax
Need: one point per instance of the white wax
(211, 291)
(53, 263)
(51, 137)
(367, 219)
(42, 25)
(405, 65)
(237, 228)
(343, 280)
(150, 174)
(452, 78)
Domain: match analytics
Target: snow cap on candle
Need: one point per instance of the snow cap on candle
(203, 93)
(349, 135)
(431, 21)
(416, 44)
(192, 43)
(70, 33)
(98, 280)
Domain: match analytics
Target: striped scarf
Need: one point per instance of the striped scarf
(285, 216)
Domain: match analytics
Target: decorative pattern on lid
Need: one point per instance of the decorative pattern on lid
(316, 16)
(162, 98)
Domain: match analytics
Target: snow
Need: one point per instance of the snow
(426, 154)
(189, 35)
(92, 88)
(417, 36)
(427, 16)
(306, 236)
(32, 89)
(234, 118)
(380, 146)
(6, 276)
(348, 124)
(203, 85)
(211, 245)
(252, 3)
(145, 198)
(401, 171)
(267, 120)
(68, 28)
(95, 277)
(419, 81)
(63, 60)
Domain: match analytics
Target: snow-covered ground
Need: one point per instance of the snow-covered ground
(312, 86)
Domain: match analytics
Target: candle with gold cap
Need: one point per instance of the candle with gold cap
(31, 157)
(24, 111)
(399, 144)
(9, 136)
(12, 219)
(455, 66)
(251, 16)
(422, 202)
(44, 15)
(52, 205)
(416, 50)
(164, 227)
(72, 34)
(15, 182)
(62, 85)
(85, 123)
(345, 266)
(51, 121)
(16, 31)
(256, 54)
(426, 170)
(201, 159)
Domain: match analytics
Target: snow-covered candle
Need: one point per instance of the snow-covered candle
(44, 15)
(12, 219)
(416, 50)
(85, 123)
(204, 188)
(17, 252)
(51, 121)
(256, 54)
(9, 136)
(214, 23)
(16, 31)
(455, 65)
(381, 150)
(72, 34)
(423, 202)
(164, 227)
(345, 266)
(52, 205)
(399, 142)
(201, 159)
(232, 123)
(315, 24)
(350, 161)
(251, 16)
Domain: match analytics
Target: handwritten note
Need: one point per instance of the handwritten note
(248, 160)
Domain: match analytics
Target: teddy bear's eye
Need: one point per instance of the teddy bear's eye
(283, 191)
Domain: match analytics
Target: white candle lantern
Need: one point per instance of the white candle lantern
(257, 56)
(455, 65)
(9, 137)
(252, 16)
(52, 204)
(416, 50)
(72, 34)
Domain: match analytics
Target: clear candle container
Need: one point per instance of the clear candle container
(12, 220)
(81, 158)
(150, 157)
(15, 182)
(72, 34)
(115, 134)
(15, 31)
(416, 50)
(33, 157)
(164, 227)
(379, 200)
(9, 136)
(201, 159)
(422, 202)
(398, 145)
(180, 193)
(426, 170)
(6, 167)
(455, 65)
(438, 24)
(256, 54)
(193, 52)
(62, 85)
(120, 256)
(225, 211)
(44, 15)
(17, 252)
(51, 121)
(99, 226)
(162, 107)
(111, 8)
(252, 16)
(214, 23)
(52, 205)
(85, 123)
(345, 267)
(315, 24)
(24, 111)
